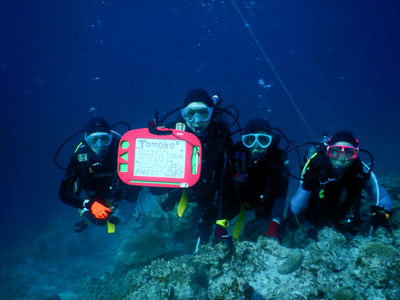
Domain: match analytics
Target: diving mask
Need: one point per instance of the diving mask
(197, 113)
(349, 152)
(99, 139)
(262, 139)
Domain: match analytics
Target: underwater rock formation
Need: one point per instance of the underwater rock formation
(292, 263)
(345, 293)
(333, 268)
(153, 257)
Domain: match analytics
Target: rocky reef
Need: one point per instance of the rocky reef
(331, 268)
(153, 257)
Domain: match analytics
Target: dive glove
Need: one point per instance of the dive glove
(380, 216)
(98, 207)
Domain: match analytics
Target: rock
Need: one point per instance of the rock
(55, 297)
(152, 258)
(292, 263)
(378, 264)
(392, 294)
(384, 251)
(345, 293)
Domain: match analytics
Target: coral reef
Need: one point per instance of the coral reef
(153, 257)
(339, 271)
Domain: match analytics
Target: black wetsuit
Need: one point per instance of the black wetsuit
(266, 186)
(333, 195)
(217, 168)
(87, 176)
(214, 189)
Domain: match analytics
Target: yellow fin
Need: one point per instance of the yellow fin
(110, 227)
(183, 203)
(239, 223)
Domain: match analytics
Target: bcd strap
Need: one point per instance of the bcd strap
(76, 149)
(307, 163)
(182, 203)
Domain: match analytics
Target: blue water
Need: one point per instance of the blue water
(338, 59)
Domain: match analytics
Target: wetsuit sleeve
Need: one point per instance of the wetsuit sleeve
(68, 193)
(376, 191)
(310, 180)
(299, 201)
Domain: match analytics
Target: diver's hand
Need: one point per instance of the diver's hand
(98, 207)
(380, 216)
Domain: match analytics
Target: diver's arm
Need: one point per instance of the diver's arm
(67, 191)
(376, 191)
(299, 201)
(309, 183)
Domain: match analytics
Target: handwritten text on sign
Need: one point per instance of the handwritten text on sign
(160, 158)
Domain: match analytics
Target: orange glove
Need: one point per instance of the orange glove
(99, 208)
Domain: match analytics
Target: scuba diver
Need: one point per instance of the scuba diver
(262, 177)
(91, 182)
(330, 190)
(202, 116)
